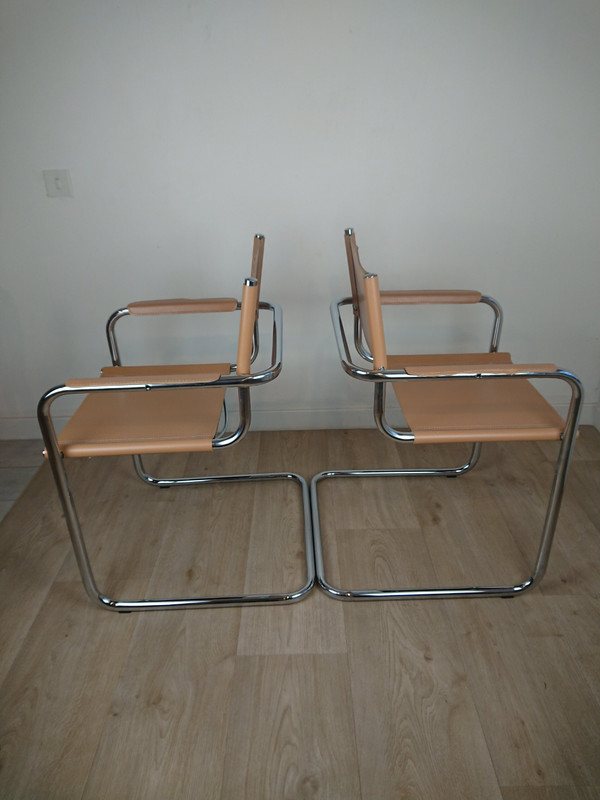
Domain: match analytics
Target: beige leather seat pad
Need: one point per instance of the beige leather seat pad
(401, 362)
(481, 410)
(157, 421)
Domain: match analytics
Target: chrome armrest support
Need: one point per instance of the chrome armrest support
(111, 335)
(117, 315)
(498, 319)
(388, 299)
(147, 383)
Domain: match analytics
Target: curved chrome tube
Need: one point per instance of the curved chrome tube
(358, 336)
(111, 335)
(120, 313)
(498, 318)
(66, 498)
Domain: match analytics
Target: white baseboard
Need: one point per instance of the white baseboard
(274, 420)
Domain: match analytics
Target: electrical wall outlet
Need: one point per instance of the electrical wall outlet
(58, 183)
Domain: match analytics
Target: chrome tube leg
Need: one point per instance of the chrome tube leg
(81, 555)
(141, 471)
(274, 598)
(245, 415)
(472, 461)
(245, 418)
(558, 486)
(71, 517)
(75, 533)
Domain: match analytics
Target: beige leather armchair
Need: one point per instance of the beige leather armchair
(139, 410)
(473, 397)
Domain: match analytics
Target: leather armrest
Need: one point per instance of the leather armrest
(425, 296)
(183, 306)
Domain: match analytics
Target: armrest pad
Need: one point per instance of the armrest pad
(432, 370)
(183, 306)
(424, 296)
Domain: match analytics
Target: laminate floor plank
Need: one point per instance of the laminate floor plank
(55, 699)
(465, 532)
(315, 625)
(417, 728)
(374, 558)
(417, 531)
(33, 547)
(550, 792)
(291, 730)
(534, 738)
(121, 520)
(574, 566)
(570, 706)
(583, 488)
(519, 477)
(523, 484)
(164, 731)
(275, 559)
(578, 623)
(205, 541)
(183, 541)
(321, 699)
(586, 446)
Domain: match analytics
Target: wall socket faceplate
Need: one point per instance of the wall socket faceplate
(58, 182)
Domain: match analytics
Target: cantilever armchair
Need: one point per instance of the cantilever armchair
(141, 410)
(445, 398)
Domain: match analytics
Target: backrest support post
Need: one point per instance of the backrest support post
(249, 309)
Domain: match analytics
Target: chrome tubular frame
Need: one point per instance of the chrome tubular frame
(364, 353)
(113, 346)
(219, 441)
(380, 378)
(359, 340)
(59, 472)
(498, 319)
(111, 336)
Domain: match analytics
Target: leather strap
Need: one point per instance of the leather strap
(180, 305)
(425, 296)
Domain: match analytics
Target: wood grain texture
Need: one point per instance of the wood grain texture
(531, 718)
(164, 733)
(32, 551)
(441, 700)
(292, 718)
(551, 792)
(56, 697)
(411, 696)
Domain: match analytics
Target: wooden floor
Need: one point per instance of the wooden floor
(20, 459)
(454, 700)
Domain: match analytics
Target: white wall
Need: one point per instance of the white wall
(460, 138)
